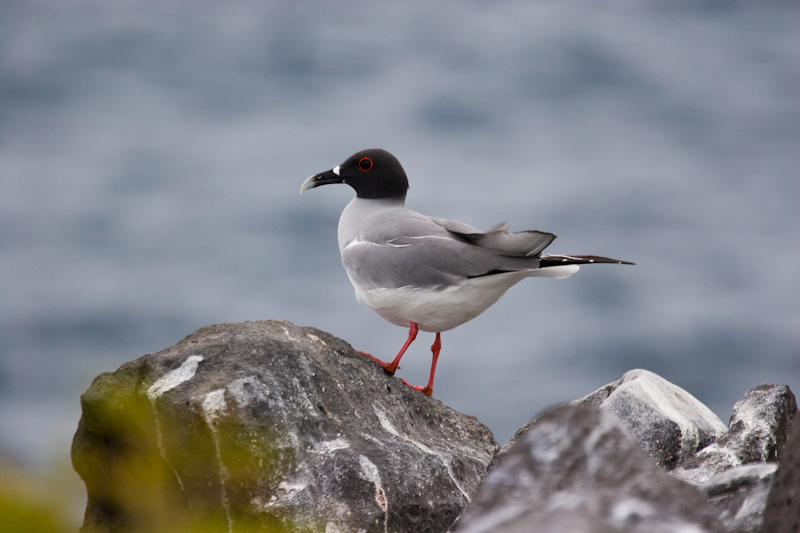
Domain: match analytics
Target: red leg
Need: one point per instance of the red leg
(393, 366)
(435, 349)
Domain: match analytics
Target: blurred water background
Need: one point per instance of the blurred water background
(151, 155)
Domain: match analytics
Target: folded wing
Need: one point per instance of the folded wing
(528, 243)
(402, 248)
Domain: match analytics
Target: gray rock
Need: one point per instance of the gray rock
(667, 422)
(782, 514)
(740, 496)
(757, 433)
(266, 426)
(575, 469)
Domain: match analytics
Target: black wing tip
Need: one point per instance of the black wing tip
(555, 260)
(621, 262)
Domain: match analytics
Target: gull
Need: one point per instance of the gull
(423, 272)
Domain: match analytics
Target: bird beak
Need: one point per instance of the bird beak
(323, 178)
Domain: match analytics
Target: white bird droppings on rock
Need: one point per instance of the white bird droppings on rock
(172, 379)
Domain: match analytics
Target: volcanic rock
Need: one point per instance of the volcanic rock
(266, 426)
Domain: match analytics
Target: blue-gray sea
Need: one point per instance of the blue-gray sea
(151, 155)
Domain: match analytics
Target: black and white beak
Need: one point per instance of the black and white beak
(323, 178)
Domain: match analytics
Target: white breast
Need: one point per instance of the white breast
(440, 309)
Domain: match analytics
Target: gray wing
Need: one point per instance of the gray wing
(401, 248)
(529, 242)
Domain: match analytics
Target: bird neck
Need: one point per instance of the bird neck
(360, 209)
(364, 207)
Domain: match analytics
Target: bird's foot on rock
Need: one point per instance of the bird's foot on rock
(386, 366)
(428, 390)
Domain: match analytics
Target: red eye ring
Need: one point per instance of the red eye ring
(365, 164)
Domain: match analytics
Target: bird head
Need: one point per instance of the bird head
(373, 173)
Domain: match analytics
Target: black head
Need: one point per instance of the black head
(373, 173)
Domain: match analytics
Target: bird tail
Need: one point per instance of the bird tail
(555, 272)
(551, 261)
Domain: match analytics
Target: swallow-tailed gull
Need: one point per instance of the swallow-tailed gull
(423, 272)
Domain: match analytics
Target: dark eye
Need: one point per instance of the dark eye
(365, 164)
